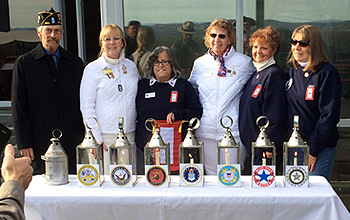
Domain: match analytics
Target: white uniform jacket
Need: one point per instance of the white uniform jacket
(220, 96)
(108, 92)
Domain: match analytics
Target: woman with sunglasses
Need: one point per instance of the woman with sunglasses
(314, 93)
(264, 95)
(163, 95)
(219, 77)
(108, 90)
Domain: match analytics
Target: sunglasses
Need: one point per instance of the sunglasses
(221, 36)
(302, 43)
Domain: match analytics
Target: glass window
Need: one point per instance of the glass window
(21, 38)
(165, 19)
(332, 19)
(23, 13)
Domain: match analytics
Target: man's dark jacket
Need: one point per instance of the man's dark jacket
(44, 99)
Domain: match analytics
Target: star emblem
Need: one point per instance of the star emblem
(296, 176)
(264, 176)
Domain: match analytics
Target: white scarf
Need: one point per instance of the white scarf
(114, 62)
(263, 65)
(303, 64)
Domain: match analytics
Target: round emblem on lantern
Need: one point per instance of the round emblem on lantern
(121, 176)
(228, 175)
(296, 176)
(156, 176)
(191, 174)
(88, 175)
(263, 176)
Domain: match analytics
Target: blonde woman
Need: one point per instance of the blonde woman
(108, 90)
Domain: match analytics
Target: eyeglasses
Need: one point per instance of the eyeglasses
(302, 43)
(163, 62)
(221, 36)
(109, 39)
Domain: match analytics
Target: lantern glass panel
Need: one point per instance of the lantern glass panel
(260, 153)
(195, 152)
(227, 154)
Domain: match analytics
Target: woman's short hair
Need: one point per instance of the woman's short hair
(221, 23)
(175, 67)
(106, 30)
(269, 35)
(316, 51)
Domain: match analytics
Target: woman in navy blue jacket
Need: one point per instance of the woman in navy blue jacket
(314, 93)
(264, 94)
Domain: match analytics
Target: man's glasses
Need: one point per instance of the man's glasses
(109, 39)
(302, 43)
(163, 62)
(221, 36)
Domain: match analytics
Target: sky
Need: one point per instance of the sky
(23, 13)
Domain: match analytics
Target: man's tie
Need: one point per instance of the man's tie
(55, 59)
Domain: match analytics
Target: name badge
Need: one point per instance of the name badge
(310, 92)
(256, 91)
(173, 96)
(150, 95)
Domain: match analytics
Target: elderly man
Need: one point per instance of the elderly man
(45, 95)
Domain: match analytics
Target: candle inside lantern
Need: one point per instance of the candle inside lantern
(191, 158)
(91, 157)
(122, 158)
(157, 156)
(227, 156)
(295, 158)
(264, 159)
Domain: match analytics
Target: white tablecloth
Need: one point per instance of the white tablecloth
(318, 201)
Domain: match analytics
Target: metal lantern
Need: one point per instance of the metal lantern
(56, 162)
(263, 168)
(90, 160)
(228, 168)
(261, 145)
(295, 148)
(296, 158)
(191, 157)
(157, 158)
(227, 148)
(190, 150)
(122, 172)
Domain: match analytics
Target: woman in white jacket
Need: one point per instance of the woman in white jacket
(219, 77)
(108, 90)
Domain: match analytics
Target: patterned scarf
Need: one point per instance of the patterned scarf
(222, 69)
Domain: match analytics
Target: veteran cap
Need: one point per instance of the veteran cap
(50, 17)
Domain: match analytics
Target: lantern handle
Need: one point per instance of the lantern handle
(262, 127)
(121, 123)
(193, 120)
(150, 120)
(87, 125)
(53, 133)
(226, 127)
(296, 122)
